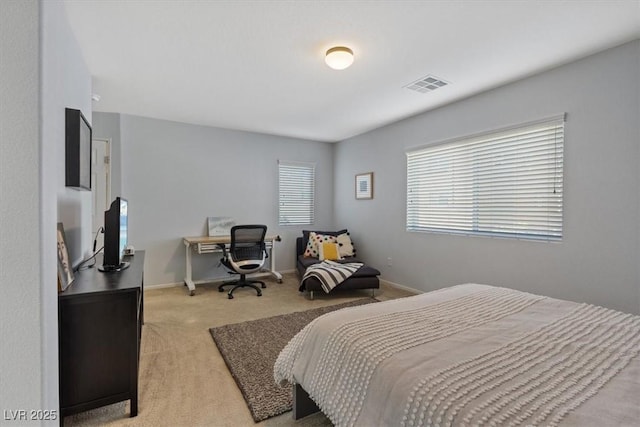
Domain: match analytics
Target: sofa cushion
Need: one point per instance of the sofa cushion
(307, 261)
(329, 251)
(305, 234)
(363, 271)
(314, 242)
(365, 282)
(346, 245)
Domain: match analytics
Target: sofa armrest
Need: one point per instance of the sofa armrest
(299, 246)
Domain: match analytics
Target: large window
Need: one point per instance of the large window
(506, 183)
(296, 191)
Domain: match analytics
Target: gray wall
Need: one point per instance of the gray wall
(107, 126)
(41, 72)
(597, 261)
(66, 82)
(20, 315)
(175, 175)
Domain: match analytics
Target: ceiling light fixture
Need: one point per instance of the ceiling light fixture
(339, 57)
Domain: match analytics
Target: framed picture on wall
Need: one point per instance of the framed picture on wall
(65, 270)
(364, 186)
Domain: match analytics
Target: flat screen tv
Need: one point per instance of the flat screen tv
(77, 150)
(116, 227)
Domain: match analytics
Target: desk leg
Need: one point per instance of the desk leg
(188, 280)
(274, 272)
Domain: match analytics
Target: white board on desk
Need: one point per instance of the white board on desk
(220, 225)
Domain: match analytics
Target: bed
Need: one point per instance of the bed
(469, 355)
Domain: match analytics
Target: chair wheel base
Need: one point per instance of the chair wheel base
(242, 284)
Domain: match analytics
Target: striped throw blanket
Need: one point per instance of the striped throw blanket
(331, 273)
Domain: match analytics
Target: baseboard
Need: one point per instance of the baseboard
(399, 286)
(163, 285)
(223, 279)
(213, 280)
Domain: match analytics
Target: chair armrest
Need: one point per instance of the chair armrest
(224, 250)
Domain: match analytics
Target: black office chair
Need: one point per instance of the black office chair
(246, 255)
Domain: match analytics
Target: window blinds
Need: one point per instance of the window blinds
(296, 191)
(506, 183)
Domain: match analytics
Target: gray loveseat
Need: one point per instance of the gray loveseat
(365, 278)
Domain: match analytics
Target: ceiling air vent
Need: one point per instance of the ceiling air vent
(427, 84)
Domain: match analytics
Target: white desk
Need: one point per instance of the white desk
(208, 245)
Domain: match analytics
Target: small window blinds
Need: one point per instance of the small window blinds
(296, 192)
(506, 183)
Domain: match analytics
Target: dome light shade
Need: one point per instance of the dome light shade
(339, 57)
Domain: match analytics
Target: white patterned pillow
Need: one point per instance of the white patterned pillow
(314, 240)
(345, 245)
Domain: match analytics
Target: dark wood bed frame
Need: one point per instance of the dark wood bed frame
(302, 403)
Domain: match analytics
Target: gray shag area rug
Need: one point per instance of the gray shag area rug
(250, 350)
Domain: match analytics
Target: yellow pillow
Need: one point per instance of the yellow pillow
(314, 242)
(329, 251)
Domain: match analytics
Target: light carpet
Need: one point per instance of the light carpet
(251, 348)
(184, 380)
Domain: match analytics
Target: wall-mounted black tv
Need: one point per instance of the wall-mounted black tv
(116, 230)
(78, 150)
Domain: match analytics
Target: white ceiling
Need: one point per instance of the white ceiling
(259, 65)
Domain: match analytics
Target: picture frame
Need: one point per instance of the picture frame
(220, 225)
(364, 186)
(65, 270)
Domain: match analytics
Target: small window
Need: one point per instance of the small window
(507, 183)
(296, 193)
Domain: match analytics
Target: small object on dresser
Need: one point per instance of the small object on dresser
(65, 271)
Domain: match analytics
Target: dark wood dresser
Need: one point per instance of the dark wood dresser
(100, 320)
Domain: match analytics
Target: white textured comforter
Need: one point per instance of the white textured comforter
(470, 355)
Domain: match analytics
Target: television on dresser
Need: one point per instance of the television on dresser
(116, 227)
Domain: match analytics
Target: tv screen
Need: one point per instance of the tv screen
(116, 230)
(77, 150)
